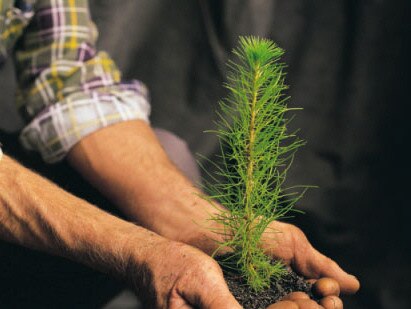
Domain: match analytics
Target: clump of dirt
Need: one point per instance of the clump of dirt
(249, 299)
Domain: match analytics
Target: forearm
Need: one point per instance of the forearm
(127, 164)
(37, 214)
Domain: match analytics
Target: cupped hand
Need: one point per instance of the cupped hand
(288, 243)
(175, 275)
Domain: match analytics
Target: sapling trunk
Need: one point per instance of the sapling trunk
(256, 152)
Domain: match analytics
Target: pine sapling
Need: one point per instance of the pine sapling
(256, 153)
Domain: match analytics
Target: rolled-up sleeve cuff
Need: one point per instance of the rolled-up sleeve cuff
(60, 126)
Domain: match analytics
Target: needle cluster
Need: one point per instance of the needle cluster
(256, 153)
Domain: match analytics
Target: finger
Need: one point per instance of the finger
(326, 287)
(307, 304)
(286, 304)
(296, 295)
(331, 302)
(318, 265)
(297, 304)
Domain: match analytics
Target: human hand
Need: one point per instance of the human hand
(189, 278)
(288, 243)
(175, 275)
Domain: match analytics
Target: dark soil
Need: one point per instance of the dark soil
(249, 299)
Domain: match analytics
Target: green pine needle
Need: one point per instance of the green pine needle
(256, 153)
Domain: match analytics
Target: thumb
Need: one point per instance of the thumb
(210, 294)
(216, 298)
(222, 301)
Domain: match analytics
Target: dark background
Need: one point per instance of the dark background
(348, 67)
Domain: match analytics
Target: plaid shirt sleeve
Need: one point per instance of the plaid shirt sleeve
(66, 89)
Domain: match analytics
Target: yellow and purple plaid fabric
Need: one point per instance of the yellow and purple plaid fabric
(66, 89)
